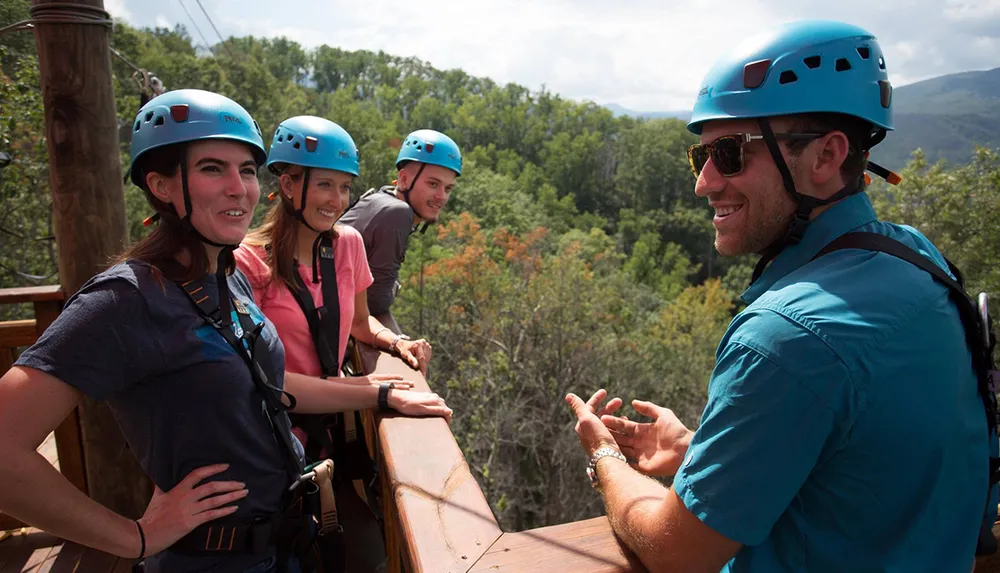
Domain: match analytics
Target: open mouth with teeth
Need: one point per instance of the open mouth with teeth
(723, 212)
(234, 213)
(327, 213)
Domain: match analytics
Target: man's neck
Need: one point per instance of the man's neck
(417, 219)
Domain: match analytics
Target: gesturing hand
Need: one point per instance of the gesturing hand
(172, 515)
(656, 448)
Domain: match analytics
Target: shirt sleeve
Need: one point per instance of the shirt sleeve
(362, 272)
(767, 425)
(389, 236)
(250, 261)
(100, 342)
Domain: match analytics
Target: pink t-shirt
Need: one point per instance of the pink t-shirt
(279, 305)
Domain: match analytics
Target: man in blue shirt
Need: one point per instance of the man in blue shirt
(844, 429)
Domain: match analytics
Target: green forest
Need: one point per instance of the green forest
(573, 254)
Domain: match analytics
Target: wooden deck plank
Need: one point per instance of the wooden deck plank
(27, 550)
(588, 545)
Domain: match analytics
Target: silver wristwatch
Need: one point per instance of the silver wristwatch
(592, 465)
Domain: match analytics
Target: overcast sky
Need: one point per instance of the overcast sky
(647, 55)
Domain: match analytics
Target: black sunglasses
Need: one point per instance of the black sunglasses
(726, 152)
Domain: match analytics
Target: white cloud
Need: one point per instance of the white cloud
(643, 54)
(117, 9)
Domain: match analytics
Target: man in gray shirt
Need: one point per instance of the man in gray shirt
(429, 162)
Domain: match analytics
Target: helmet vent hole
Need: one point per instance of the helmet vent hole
(296, 145)
(812, 62)
(865, 52)
(787, 77)
(881, 63)
(843, 65)
(149, 116)
(159, 121)
(137, 124)
(281, 138)
(420, 148)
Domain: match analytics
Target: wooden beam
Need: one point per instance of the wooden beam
(16, 333)
(88, 203)
(443, 516)
(31, 294)
(587, 546)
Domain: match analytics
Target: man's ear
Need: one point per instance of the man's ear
(831, 151)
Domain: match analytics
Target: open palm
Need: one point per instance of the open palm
(654, 448)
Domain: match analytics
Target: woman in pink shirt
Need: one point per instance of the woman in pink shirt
(288, 260)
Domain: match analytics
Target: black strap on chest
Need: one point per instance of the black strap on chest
(978, 335)
(335, 433)
(244, 339)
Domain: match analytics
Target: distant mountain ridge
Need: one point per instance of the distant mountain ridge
(946, 116)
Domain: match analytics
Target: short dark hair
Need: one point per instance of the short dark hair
(858, 131)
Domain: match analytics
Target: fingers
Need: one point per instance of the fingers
(596, 399)
(221, 500)
(624, 429)
(214, 488)
(196, 476)
(611, 407)
(579, 406)
(206, 516)
(649, 409)
(403, 385)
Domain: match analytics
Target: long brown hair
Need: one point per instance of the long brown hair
(160, 248)
(278, 235)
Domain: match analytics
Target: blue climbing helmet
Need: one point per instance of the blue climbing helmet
(187, 115)
(430, 147)
(181, 116)
(813, 66)
(314, 143)
(800, 67)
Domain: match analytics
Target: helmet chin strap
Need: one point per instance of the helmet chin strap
(300, 212)
(804, 204)
(406, 197)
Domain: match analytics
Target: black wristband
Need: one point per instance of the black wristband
(142, 540)
(383, 395)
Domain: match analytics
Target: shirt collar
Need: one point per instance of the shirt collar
(842, 217)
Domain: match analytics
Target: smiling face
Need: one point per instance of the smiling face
(223, 187)
(328, 194)
(431, 191)
(752, 209)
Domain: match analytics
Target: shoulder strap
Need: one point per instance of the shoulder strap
(324, 322)
(978, 335)
(978, 329)
(245, 347)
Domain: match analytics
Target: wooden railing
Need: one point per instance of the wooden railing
(437, 518)
(15, 334)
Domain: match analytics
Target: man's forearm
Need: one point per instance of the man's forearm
(634, 504)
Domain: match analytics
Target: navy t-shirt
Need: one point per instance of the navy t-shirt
(181, 395)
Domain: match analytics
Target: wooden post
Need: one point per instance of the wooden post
(88, 210)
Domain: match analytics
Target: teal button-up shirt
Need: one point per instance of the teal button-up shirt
(843, 430)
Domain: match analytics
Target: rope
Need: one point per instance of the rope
(61, 13)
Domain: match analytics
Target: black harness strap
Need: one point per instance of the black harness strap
(978, 335)
(244, 341)
(348, 449)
